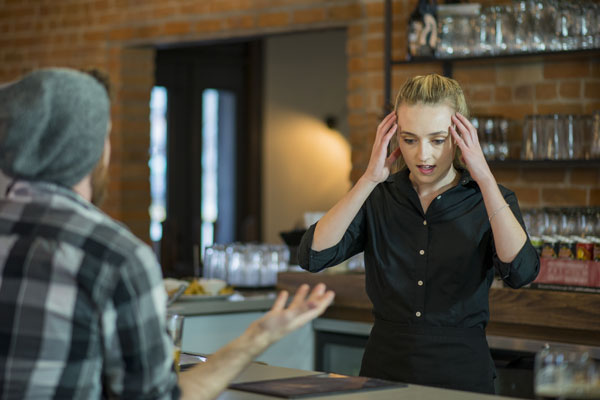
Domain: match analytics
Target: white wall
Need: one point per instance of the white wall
(306, 166)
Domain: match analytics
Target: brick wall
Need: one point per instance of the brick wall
(119, 36)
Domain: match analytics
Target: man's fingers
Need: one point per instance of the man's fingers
(280, 301)
(300, 296)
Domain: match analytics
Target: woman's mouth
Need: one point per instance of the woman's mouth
(426, 169)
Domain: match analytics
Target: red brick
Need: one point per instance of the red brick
(503, 93)
(585, 176)
(594, 197)
(564, 197)
(210, 25)
(356, 64)
(125, 33)
(480, 95)
(515, 111)
(97, 36)
(592, 90)
(309, 16)
(375, 45)
(356, 101)
(375, 63)
(177, 28)
(195, 7)
(469, 75)
(566, 69)
(506, 175)
(552, 176)
(545, 91)
(164, 12)
(527, 195)
(241, 22)
(347, 12)
(273, 19)
(523, 93)
(375, 27)
(375, 9)
(570, 89)
(563, 108)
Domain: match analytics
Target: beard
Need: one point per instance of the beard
(99, 182)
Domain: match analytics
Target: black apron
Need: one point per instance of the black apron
(451, 358)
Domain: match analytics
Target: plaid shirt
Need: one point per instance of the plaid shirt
(82, 304)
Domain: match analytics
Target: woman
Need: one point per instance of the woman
(432, 235)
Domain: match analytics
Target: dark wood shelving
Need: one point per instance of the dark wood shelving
(514, 163)
(548, 315)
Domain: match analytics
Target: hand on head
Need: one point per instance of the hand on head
(304, 307)
(465, 136)
(380, 163)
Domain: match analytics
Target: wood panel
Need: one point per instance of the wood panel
(524, 313)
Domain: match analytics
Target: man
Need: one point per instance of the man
(82, 304)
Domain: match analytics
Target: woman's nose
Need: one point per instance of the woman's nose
(424, 151)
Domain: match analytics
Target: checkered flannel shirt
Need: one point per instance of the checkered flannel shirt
(82, 305)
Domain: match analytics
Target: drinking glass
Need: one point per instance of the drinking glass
(501, 139)
(484, 42)
(595, 136)
(487, 146)
(531, 137)
(562, 372)
(175, 330)
(445, 44)
(522, 27)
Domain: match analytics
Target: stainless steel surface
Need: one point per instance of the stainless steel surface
(342, 326)
(495, 342)
(533, 346)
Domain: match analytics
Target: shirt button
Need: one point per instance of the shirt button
(420, 283)
(421, 252)
(439, 197)
(424, 222)
(418, 313)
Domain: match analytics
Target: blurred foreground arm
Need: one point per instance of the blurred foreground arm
(207, 380)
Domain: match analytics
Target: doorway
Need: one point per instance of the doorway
(213, 146)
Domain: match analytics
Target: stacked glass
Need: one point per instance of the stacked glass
(522, 26)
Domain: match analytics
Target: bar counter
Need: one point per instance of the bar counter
(541, 315)
(257, 372)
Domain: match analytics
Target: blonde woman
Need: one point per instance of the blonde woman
(432, 235)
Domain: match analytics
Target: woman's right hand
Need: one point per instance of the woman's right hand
(378, 169)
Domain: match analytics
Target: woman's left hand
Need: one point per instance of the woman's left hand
(466, 138)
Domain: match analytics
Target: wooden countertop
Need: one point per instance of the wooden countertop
(524, 313)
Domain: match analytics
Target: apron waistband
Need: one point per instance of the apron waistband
(448, 331)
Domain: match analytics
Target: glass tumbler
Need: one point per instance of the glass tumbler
(175, 330)
(565, 373)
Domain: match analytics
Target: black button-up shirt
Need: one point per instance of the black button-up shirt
(433, 268)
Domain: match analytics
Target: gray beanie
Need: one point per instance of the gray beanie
(53, 123)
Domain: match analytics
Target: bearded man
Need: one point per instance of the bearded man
(82, 303)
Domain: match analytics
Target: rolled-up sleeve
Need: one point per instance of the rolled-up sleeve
(526, 265)
(353, 242)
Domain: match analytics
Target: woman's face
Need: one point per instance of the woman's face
(426, 143)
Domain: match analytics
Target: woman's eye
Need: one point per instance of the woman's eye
(439, 141)
(409, 141)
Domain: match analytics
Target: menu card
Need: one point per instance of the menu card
(314, 385)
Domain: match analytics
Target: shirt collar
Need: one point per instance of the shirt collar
(401, 177)
(32, 189)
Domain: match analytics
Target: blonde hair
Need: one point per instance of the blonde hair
(432, 89)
